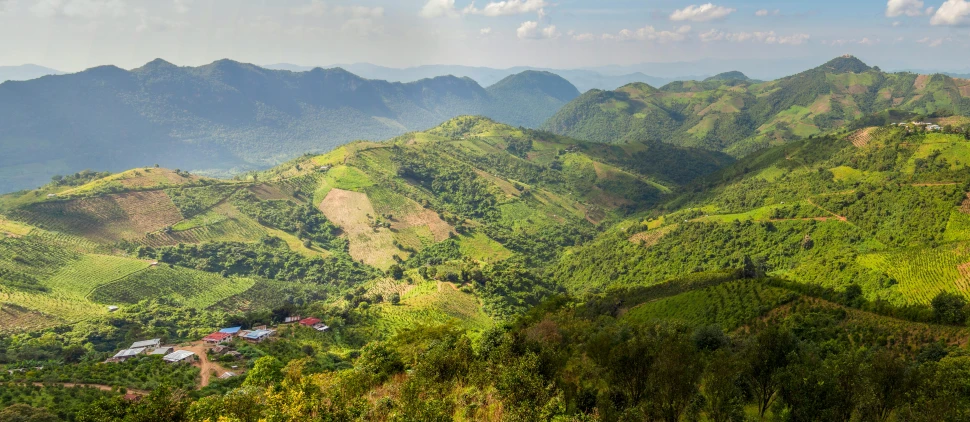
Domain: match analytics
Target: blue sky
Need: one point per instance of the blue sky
(76, 34)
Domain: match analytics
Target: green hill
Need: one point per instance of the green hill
(470, 188)
(216, 119)
(736, 115)
(881, 208)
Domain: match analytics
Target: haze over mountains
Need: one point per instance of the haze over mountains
(228, 117)
(583, 79)
(25, 72)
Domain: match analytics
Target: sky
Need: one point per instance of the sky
(71, 35)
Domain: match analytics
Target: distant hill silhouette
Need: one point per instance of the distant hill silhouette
(227, 117)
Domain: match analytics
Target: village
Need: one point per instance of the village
(218, 344)
(929, 127)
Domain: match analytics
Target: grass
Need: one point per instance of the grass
(191, 288)
(482, 248)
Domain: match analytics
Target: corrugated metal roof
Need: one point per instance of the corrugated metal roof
(146, 343)
(258, 334)
(127, 353)
(232, 330)
(178, 355)
(161, 351)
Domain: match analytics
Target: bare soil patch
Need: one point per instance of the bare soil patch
(862, 137)
(921, 82)
(354, 214)
(268, 192)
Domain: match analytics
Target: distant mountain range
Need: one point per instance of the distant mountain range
(734, 114)
(583, 79)
(228, 117)
(25, 72)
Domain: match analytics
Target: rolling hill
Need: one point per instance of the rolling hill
(882, 208)
(734, 114)
(470, 188)
(227, 117)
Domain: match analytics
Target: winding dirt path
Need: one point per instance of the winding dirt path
(206, 367)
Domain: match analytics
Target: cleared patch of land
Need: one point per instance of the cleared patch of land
(354, 214)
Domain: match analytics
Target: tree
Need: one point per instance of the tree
(395, 298)
(767, 354)
(25, 413)
(724, 388)
(949, 308)
(266, 370)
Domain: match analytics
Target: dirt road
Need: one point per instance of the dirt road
(206, 367)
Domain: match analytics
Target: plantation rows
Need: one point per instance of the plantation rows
(65, 240)
(56, 304)
(922, 274)
(729, 305)
(196, 289)
(272, 294)
(194, 201)
(231, 229)
(29, 256)
(92, 271)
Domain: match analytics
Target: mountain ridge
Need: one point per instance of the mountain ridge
(215, 118)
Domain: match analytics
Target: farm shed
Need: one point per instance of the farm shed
(227, 375)
(257, 336)
(152, 344)
(126, 354)
(292, 319)
(162, 351)
(321, 327)
(232, 330)
(217, 338)
(309, 322)
(179, 356)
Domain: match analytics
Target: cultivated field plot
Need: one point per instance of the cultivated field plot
(222, 223)
(921, 274)
(354, 214)
(14, 318)
(729, 305)
(92, 271)
(192, 288)
(433, 303)
(105, 219)
(143, 178)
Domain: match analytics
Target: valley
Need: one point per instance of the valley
(717, 250)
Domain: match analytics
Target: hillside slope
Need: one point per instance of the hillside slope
(882, 208)
(734, 114)
(470, 193)
(227, 117)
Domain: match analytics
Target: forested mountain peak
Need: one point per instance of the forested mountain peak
(729, 76)
(217, 118)
(741, 116)
(845, 64)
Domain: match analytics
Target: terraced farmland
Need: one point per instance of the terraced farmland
(196, 289)
(433, 303)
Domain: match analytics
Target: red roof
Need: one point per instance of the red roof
(310, 321)
(217, 336)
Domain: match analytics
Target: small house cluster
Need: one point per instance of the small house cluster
(929, 127)
(153, 347)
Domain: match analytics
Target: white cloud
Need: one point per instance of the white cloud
(869, 41)
(183, 6)
(486, 31)
(508, 8)
(769, 37)
(952, 13)
(904, 7)
(438, 8)
(156, 23)
(934, 42)
(649, 33)
(897, 23)
(87, 9)
(530, 30)
(6, 5)
(316, 8)
(702, 13)
(582, 37)
(766, 12)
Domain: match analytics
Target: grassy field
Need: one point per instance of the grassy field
(729, 305)
(431, 302)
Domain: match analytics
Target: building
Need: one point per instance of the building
(219, 349)
(234, 354)
(321, 327)
(257, 336)
(217, 338)
(112, 308)
(162, 351)
(227, 375)
(126, 354)
(233, 330)
(148, 344)
(179, 356)
(292, 319)
(309, 322)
